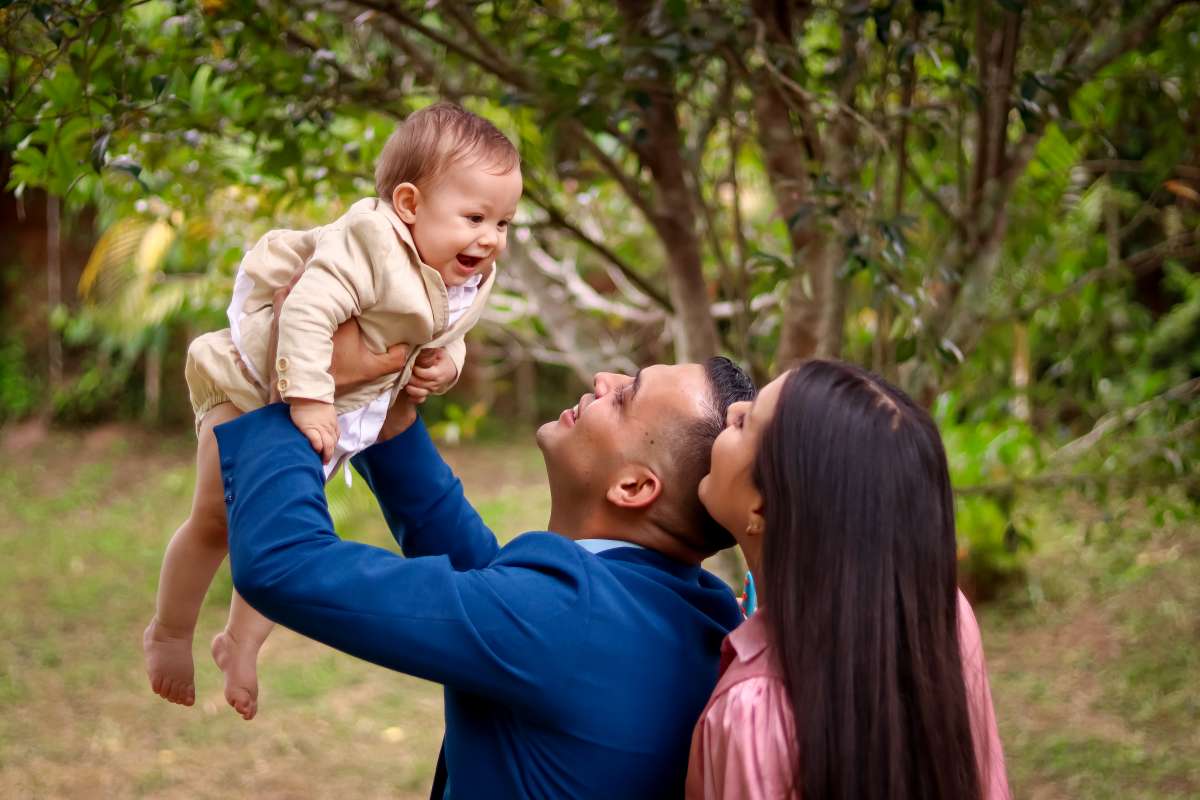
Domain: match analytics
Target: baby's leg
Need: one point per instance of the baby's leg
(235, 650)
(191, 560)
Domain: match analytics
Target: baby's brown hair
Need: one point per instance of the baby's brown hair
(435, 138)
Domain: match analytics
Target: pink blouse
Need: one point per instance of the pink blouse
(743, 744)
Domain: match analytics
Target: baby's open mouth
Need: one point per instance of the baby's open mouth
(469, 262)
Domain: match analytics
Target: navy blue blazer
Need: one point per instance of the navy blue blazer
(567, 674)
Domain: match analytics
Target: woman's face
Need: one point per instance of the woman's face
(728, 490)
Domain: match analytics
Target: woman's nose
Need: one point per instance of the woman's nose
(733, 411)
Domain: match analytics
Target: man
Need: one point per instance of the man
(576, 660)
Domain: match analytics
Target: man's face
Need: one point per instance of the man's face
(618, 423)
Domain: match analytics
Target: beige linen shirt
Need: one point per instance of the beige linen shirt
(364, 265)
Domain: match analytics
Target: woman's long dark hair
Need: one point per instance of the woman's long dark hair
(860, 590)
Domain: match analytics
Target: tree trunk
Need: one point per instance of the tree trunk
(784, 161)
(53, 290)
(675, 213)
(153, 384)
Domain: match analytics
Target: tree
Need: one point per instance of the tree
(955, 194)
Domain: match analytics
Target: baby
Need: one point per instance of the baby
(413, 265)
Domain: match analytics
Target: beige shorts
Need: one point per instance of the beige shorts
(214, 377)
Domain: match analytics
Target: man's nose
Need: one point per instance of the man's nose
(605, 382)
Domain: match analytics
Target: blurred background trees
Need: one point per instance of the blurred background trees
(996, 204)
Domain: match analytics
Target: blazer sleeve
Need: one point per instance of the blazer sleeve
(423, 501)
(498, 631)
(338, 283)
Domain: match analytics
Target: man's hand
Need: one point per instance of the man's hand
(354, 364)
(318, 422)
(433, 373)
(400, 417)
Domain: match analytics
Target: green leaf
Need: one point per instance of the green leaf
(126, 164)
(99, 151)
(883, 24)
(198, 98)
(42, 12)
(930, 7)
(950, 352)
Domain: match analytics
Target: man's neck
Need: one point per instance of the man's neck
(580, 522)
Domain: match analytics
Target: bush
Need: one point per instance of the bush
(20, 390)
(993, 543)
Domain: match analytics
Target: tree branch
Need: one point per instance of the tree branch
(504, 71)
(1184, 246)
(1119, 419)
(558, 219)
(1128, 482)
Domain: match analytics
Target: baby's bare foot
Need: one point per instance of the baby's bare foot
(239, 663)
(168, 657)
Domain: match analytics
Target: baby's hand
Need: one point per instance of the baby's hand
(318, 421)
(433, 373)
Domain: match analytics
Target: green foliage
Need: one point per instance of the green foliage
(993, 536)
(191, 128)
(19, 389)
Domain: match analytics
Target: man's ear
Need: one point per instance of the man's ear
(635, 487)
(405, 199)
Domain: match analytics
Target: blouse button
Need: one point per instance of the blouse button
(282, 385)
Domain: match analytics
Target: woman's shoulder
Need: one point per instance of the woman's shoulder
(749, 700)
(744, 743)
(751, 688)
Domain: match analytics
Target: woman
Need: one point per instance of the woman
(863, 675)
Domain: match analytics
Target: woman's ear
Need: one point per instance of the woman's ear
(635, 487)
(405, 199)
(756, 523)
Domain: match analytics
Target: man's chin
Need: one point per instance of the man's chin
(545, 434)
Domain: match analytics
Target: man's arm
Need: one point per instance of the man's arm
(423, 501)
(492, 631)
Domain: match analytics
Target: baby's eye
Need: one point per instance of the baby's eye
(503, 224)
(476, 218)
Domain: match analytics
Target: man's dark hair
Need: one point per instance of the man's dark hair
(691, 445)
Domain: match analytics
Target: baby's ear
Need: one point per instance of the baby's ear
(405, 199)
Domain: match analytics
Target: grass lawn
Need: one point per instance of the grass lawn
(1094, 668)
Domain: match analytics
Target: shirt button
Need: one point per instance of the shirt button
(281, 364)
(282, 385)
(229, 497)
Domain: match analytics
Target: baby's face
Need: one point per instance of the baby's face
(460, 223)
